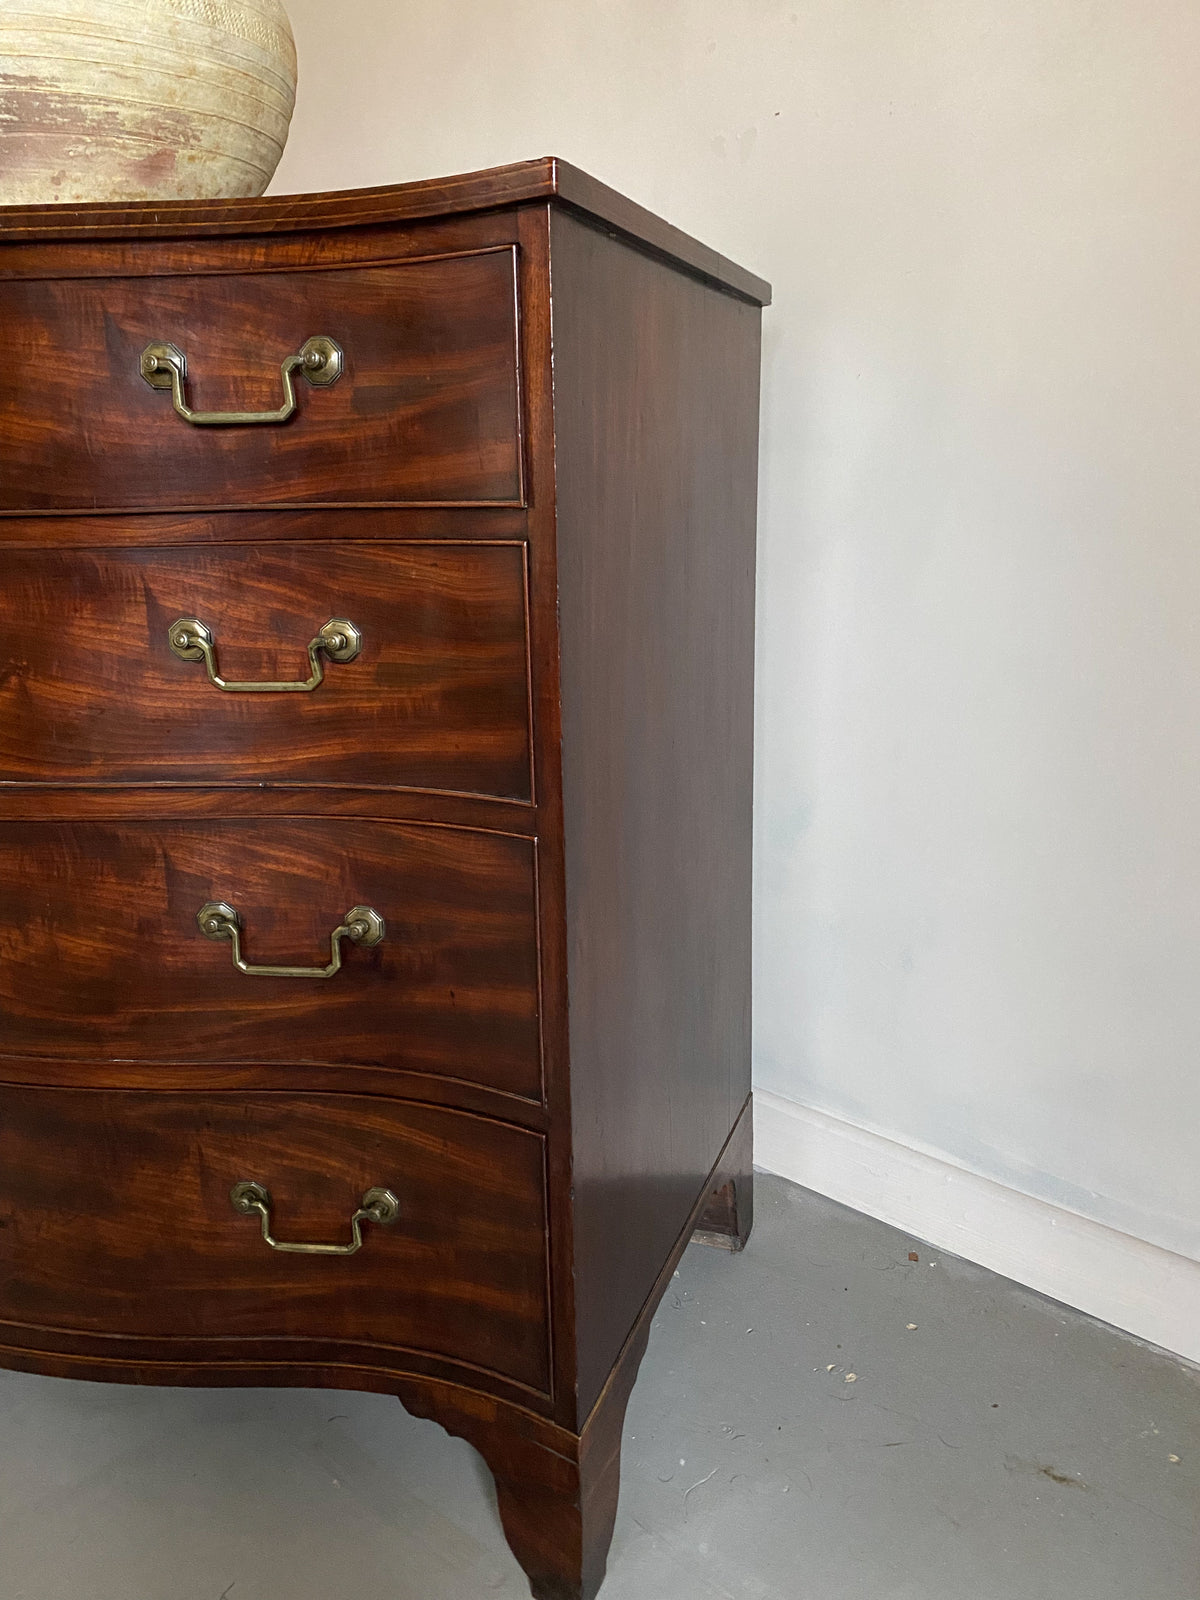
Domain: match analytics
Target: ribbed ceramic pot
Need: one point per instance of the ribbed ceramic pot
(142, 99)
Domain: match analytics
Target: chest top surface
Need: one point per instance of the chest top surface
(546, 179)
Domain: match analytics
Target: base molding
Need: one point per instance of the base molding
(1136, 1286)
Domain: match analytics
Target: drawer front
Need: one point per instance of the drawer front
(102, 958)
(425, 410)
(437, 696)
(116, 1218)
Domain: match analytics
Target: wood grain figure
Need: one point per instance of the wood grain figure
(532, 493)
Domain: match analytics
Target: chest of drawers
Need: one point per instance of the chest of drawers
(376, 663)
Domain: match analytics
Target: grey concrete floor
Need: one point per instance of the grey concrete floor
(822, 1418)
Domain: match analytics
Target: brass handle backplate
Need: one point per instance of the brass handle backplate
(361, 925)
(338, 639)
(164, 366)
(378, 1205)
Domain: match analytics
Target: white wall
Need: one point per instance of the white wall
(979, 700)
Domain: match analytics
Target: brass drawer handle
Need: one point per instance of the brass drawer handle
(362, 926)
(378, 1205)
(338, 639)
(164, 366)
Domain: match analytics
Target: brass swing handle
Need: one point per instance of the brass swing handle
(378, 1205)
(164, 366)
(362, 925)
(338, 639)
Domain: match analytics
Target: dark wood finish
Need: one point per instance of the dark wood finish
(537, 368)
(546, 179)
(130, 1231)
(385, 244)
(557, 1487)
(541, 498)
(329, 526)
(101, 959)
(558, 1514)
(656, 490)
(559, 1520)
(302, 1077)
(82, 802)
(728, 1216)
(438, 698)
(425, 411)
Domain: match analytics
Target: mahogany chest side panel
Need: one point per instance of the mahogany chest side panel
(657, 379)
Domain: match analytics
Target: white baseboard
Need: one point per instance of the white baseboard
(1139, 1287)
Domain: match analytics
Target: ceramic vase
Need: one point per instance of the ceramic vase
(142, 99)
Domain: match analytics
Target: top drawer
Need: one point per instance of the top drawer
(425, 410)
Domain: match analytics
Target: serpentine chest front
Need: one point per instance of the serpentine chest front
(376, 643)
